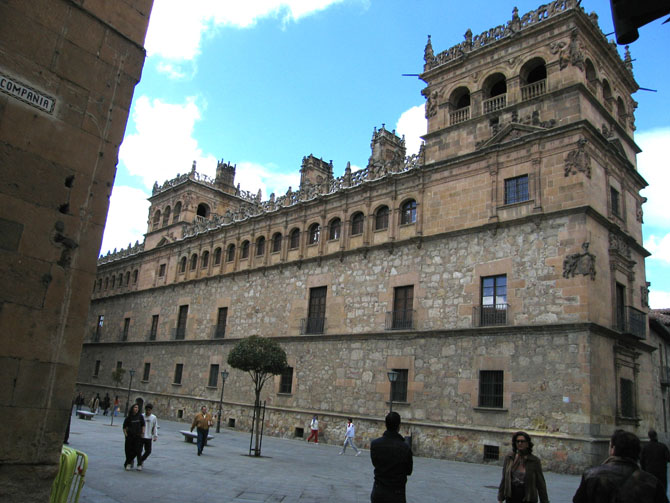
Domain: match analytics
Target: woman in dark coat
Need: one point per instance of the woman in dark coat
(133, 429)
(522, 478)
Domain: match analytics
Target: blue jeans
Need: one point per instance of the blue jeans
(350, 441)
(202, 439)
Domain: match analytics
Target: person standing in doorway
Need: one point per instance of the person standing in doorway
(349, 438)
(654, 458)
(150, 434)
(392, 458)
(314, 430)
(133, 429)
(202, 421)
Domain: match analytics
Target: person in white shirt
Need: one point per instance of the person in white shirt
(150, 434)
(314, 430)
(349, 438)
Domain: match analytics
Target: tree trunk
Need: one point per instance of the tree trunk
(257, 412)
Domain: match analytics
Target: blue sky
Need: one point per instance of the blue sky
(263, 83)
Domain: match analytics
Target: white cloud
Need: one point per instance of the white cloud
(268, 179)
(653, 166)
(659, 248)
(127, 218)
(659, 300)
(412, 123)
(176, 29)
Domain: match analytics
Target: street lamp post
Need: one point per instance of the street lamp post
(393, 377)
(224, 376)
(132, 373)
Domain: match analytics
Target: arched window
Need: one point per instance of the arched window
(314, 233)
(260, 246)
(217, 256)
(203, 210)
(120, 280)
(357, 224)
(113, 281)
(157, 219)
(135, 274)
(205, 259)
(533, 78)
(245, 249)
(177, 212)
(607, 93)
(334, 229)
(166, 216)
(620, 110)
(194, 261)
(276, 242)
(590, 72)
(127, 278)
(182, 265)
(495, 92)
(382, 218)
(459, 103)
(106, 283)
(230, 254)
(99, 284)
(408, 212)
(294, 239)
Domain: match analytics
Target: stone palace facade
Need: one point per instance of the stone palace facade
(500, 271)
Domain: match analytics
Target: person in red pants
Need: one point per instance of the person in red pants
(314, 430)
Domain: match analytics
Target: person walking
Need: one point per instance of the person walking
(654, 458)
(106, 403)
(619, 478)
(117, 405)
(392, 458)
(314, 430)
(150, 434)
(202, 420)
(349, 438)
(79, 402)
(95, 403)
(522, 478)
(133, 429)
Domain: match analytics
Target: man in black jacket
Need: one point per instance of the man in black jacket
(654, 458)
(619, 478)
(392, 459)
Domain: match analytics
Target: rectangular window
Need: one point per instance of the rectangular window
(221, 319)
(119, 365)
(316, 316)
(96, 371)
(399, 387)
(491, 388)
(620, 307)
(213, 375)
(180, 333)
(491, 452)
(154, 328)
(98, 328)
(627, 398)
(494, 300)
(516, 189)
(126, 329)
(614, 200)
(286, 382)
(161, 270)
(178, 369)
(403, 302)
(147, 370)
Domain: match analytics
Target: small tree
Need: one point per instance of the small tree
(117, 377)
(261, 358)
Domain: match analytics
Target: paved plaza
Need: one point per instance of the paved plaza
(289, 471)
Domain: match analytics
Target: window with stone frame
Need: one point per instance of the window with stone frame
(399, 387)
(408, 212)
(154, 328)
(96, 370)
(230, 255)
(276, 242)
(314, 233)
(626, 368)
(126, 329)
(166, 217)
(178, 371)
(286, 381)
(245, 250)
(334, 229)
(620, 307)
(147, 371)
(213, 381)
(260, 246)
(627, 398)
(157, 220)
(615, 202)
(119, 365)
(194, 261)
(217, 256)
(127, 278)
(180, 332)
(161, 270)
(357, 223)
(493, 309)
(382, 218)
(98, 328)
(221, 320)
(403, 308)
(176, 213)
(294, 239)
(491, 389)
(316, 315)
(182, 265)
(516, 189)
(135, 274)
(204, 262)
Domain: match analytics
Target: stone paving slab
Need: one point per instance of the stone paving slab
(290, 470)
